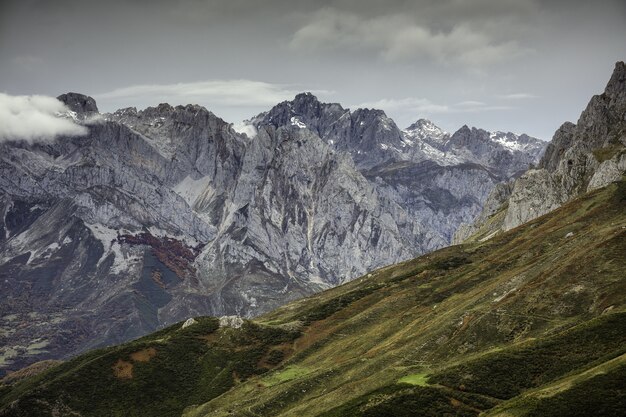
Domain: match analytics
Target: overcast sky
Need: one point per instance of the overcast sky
(518, 65)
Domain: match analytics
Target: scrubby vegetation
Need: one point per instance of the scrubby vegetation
(507, 373)
(401, 401)
(531, 322)
(158, 375)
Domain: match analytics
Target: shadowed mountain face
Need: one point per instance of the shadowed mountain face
(166, 213)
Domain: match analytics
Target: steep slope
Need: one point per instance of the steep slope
(440, 180)
(522, 322)
(580, 158)
(167, 213)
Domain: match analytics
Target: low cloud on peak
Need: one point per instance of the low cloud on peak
(35, 118)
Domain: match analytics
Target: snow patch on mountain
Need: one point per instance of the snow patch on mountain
(295, 121)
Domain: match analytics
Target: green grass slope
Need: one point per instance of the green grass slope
(519, 325)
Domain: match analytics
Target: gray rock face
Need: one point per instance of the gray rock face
(368, 135)
(79, 103)
(507, 153)
(168, 213)
(498, 197)
(608, 172)
(440, 180)
(561, 141)
(575, 163)
(581, 157)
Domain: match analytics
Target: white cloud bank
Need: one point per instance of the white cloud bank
(34, 118)
(234, 93)
(421, 106)
(517, 96)
(397, 37)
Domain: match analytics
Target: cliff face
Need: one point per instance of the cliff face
(440, 180)
(581, 157)
(166, 213)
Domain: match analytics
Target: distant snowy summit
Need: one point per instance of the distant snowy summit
(372, 138)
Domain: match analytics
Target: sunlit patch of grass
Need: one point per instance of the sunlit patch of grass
(415, 379)
(287, 374)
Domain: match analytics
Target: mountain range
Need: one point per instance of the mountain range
(167, 213)
(525, 319)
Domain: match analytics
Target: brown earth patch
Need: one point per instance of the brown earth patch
(143, 355)
(123, 369)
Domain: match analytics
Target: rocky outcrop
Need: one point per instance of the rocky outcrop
(234, 322)
(608, 172)
(581, 157)
(575, 163)
(79, 103)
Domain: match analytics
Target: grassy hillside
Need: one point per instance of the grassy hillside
(529, 323)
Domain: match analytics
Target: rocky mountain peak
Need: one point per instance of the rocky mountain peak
(561, 141)
(364, 114)
(79, 103)
(190, 114)
(306, 99)
(600, 125)
(581, 157)
(424, 129)
(365, 119)
(421, 124)
(616, 87)
(466, 136)
(304, 111)
(162, 108)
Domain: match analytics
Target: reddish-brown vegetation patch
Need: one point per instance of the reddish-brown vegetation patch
(173, 253)
(123, 369)
(157, 277)
(143, 355)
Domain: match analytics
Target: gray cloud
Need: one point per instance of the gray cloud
(517, 96)
(408, 108)
(28, 62)
(396, 37)
(35, 118)
(544, 57)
